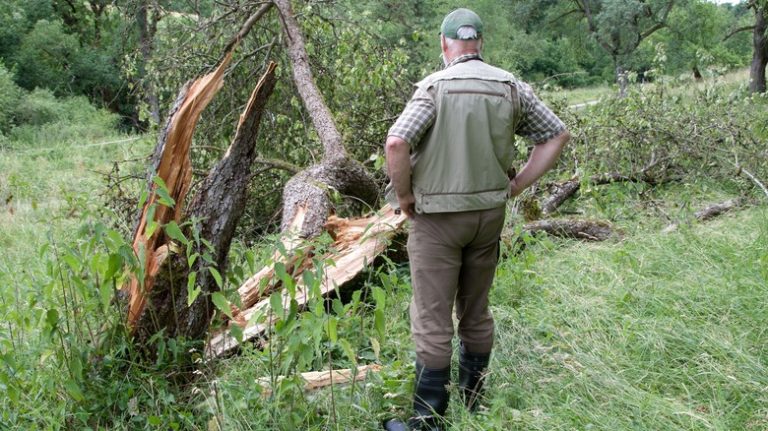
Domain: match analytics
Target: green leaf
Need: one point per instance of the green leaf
(379, 297)
(174, 231)
(106, 293)
(151, 228)
(74, 391)
(154, 421)
(216, 276)
(347, 348)
(143, 199)
(192, 258)
(159, 182)
(338, 307)
(276, 302)
(236, 332)
(52, 318)
(376, 347)
(379, 322)
(192, 290)
(72, 262)
(331, 329)
(162, 192)
(221, 303)
(114, 265)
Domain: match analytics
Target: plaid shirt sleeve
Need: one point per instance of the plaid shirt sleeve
(417, 117)
(538, 123)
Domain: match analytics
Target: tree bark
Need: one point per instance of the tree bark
(760, 51)
(622, 80)
(337, 171)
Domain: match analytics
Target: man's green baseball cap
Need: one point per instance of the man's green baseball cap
(461, 18)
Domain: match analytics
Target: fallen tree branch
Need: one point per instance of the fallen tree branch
(589, 230)
(709, 212)
(754, 180)
(561, 192)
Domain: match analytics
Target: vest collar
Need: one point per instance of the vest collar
(463, 58)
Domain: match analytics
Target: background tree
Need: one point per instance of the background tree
(620, 26)
(760, 46)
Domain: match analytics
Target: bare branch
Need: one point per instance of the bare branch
(247, 26)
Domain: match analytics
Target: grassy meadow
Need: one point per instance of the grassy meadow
(647, 331)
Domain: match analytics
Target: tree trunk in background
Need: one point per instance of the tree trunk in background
(760, 53)
(147, 30)
(310, 188)
(622, 80)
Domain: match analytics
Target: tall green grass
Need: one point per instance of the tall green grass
(648, 331)
(652, 331)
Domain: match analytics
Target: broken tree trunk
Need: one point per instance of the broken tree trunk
(171, 164)
(357, 243)
(162, 302)
(310, 188)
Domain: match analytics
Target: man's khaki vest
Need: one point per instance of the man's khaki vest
(461, 163)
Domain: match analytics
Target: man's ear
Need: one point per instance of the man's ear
(443, 45)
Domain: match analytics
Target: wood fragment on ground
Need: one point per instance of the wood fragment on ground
(357, 242)
(315, 380)
(709, 212)
(589, 230)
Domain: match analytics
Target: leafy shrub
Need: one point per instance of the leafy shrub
(43, 118)
(38, 107)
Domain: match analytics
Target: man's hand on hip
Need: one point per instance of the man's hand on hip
(407, 204)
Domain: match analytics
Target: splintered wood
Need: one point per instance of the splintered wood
(314, 380)
(357, 242)
(174, 167)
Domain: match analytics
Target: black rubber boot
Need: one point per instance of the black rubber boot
(472, 369)
(430, 401)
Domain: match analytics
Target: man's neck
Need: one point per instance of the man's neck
(450, 56)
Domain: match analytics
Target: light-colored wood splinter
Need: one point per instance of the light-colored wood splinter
(357, 242)
(315, 380)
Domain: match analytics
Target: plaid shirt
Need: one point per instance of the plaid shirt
(537, 122)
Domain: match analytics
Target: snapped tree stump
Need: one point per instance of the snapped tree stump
(159, 300)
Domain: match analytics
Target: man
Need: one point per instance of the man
(448, 156)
